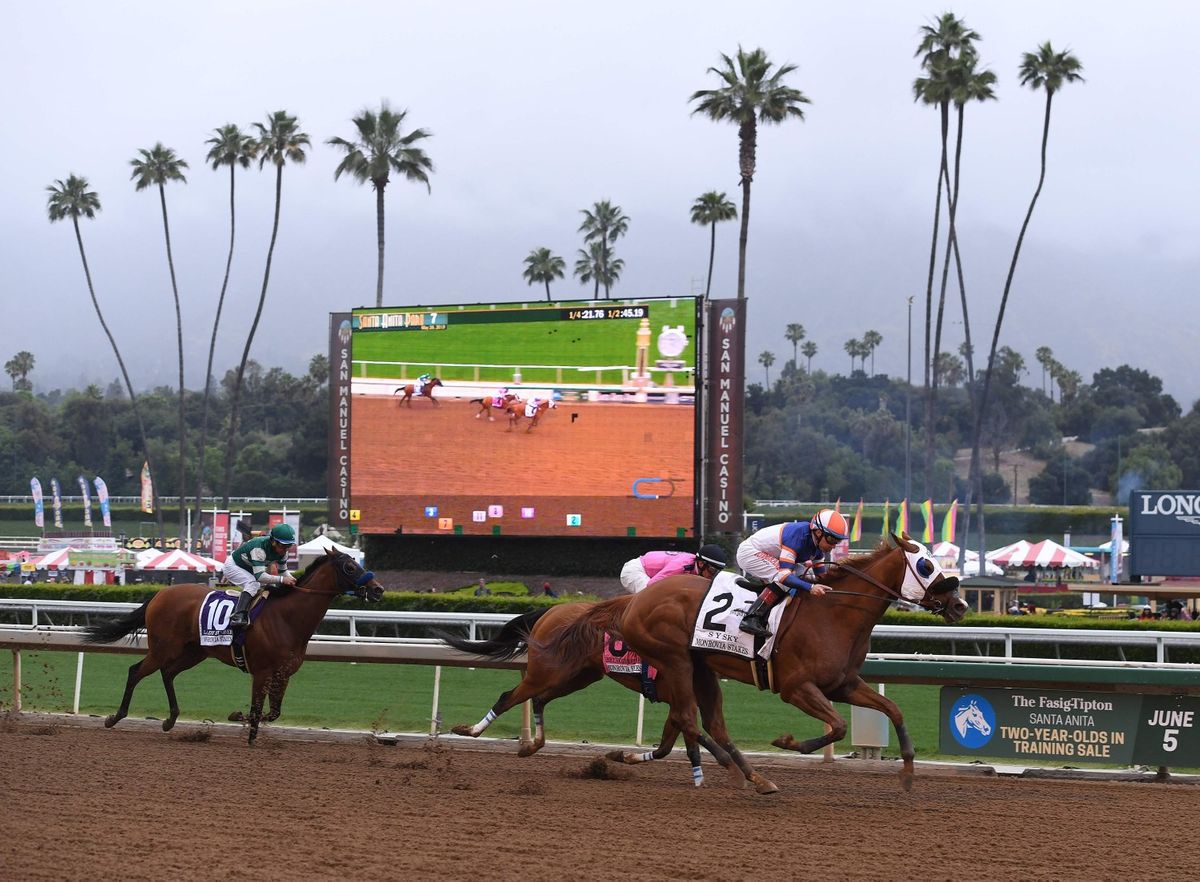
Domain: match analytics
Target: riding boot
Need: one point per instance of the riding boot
(755, 620)
(240, 620)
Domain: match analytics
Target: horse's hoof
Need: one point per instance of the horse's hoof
(111, 720)
(784, 742)
(464, 729)
(617, 756)
(491, 419)
(527, 749)
(906, 780)
(168, 724)
(765, 787)
(237, 717)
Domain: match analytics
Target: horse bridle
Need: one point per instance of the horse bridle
(936, 608)
(350, 577)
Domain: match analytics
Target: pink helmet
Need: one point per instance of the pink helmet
(832, 523)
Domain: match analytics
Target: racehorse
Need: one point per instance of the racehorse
(820, 645)
(517, 410)
(426, 391)
(275, 643)
(486, 404)
(543, 680)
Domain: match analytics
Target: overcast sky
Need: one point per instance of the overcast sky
(539, 109)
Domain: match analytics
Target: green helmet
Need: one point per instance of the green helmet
(283, 534)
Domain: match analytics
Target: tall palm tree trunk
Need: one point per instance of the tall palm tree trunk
(212, 345)
(1012, 268)
(930, 367)
(712, 252)
(241, 371)
(747, 146)
(124, 375)
(379, 240)
(547, 290)
(604, 264)
(182, 484)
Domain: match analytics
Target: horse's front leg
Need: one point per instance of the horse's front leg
(860, 694)
(277, 687)
(808, 698)
(258, 692)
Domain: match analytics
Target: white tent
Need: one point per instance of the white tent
(314, 548)
(971, 568)
(1106, 547)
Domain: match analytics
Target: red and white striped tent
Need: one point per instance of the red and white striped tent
(54, 560)
(946, 554)
(949, 551)
(1046, 553)
(181, 560)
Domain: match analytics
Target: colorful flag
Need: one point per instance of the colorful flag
(147, 490)
(927, 511)
(887, 507)
(87, 500)
(56, 496)
(902, 517)
(950, 522)
(837, 506)
(102, 496)
(39, 516)
(856, 530)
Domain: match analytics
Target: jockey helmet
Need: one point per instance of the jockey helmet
(283, 534)
(831, 523)
(713, 555)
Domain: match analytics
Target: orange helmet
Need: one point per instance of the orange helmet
(831, 522)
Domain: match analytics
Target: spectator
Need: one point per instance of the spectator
(482, 590)
(547, 591)
(1031, 608)
(1014, 608)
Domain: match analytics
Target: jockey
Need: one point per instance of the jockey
(656, 565)
(498, 398)
(422, 382)
(247, 566)
(774, 554)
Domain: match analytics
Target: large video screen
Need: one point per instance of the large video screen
(528, 419)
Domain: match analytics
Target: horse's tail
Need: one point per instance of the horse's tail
(572, 644)
(477, 401)
(111, 631)
(510, 642)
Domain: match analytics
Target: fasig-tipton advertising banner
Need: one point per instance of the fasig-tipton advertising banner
(1067, 727)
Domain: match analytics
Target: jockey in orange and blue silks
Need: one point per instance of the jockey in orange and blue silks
(775, 553)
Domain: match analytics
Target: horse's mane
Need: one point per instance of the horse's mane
(859, 561)
(315, 567)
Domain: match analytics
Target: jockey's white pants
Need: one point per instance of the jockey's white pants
(633, 576)
(235, 575)
(757, 563)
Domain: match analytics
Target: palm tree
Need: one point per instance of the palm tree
(279, 141)
(72, 199)
(1045, 357)
(1048, 70)
(751, 93)
(604, 223)
(229, 147)
(808, 350)
(18, 367)
(379, 151)
(794, 333)
(870, 341)
(154, 168)
(766, 359)
(543, 266)
(853, 349)
(594, 265)
(712, 208)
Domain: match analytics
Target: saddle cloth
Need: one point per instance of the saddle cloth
(720, 614)
(620, 659)
(531, 407)
(215, 612)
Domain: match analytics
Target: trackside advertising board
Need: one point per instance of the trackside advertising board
(573, 418)
(1068, 727)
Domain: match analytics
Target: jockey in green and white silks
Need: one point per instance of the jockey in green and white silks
(247, 567)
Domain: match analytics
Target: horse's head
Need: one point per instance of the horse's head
(436, 381)
(925, 584)
(352, 578)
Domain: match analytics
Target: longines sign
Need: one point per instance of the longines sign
(1164, 533)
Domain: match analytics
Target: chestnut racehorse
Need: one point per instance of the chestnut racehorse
(543, 680)
(275, 643)
(518, 410)
(486, 404)
(820, 645)
(426, 392)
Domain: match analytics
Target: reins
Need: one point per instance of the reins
(339, 587)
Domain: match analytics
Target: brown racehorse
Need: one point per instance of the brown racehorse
(426, 392)
(275, 643)
(486, 404)
(543, 680)
(517, 411)
(819, 648)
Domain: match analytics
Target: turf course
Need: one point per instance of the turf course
(512, 335)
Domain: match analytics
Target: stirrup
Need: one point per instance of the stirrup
(239, 621)
(756, 625)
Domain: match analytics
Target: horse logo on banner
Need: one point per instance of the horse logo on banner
(972, 721)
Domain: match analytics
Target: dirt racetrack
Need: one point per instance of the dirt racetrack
(82, 802)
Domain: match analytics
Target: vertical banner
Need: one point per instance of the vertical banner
(338, 487)
(927, 531)
(902, 518)
(147, 489)
(887, 512)
(87, 500)
(56, 501)
(39, 516)
(292, 519)
(726, 321)
(102, 498)
(214, 534)
(1116, 540)
(856, 530)
(950, 522)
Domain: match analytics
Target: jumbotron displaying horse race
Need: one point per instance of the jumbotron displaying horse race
(536, 419)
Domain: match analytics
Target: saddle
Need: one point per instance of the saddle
(752, 583)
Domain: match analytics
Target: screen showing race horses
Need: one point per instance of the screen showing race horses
(573, 418)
